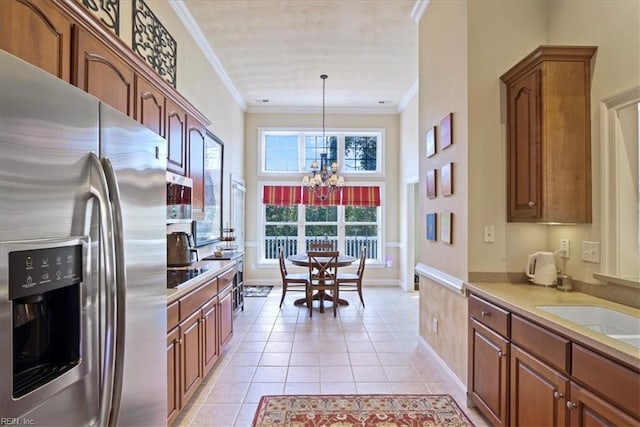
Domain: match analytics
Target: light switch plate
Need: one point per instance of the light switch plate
(489, 234)
(565, 248)
(591, 252)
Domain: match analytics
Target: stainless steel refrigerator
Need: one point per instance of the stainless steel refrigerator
(82, 258)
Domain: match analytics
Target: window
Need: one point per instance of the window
(349, 227)
(281, 153)
(288, 151)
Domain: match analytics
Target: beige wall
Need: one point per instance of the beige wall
(390, 198)
(443, 64)
(464, 48)
(613, 26)
(198, 82)
(409, 168)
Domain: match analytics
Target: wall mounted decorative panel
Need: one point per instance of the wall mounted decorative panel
(153, 43)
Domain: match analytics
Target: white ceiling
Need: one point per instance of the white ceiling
(275, 50)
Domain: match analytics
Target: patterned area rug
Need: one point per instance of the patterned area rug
(257, 291)
(363, 410)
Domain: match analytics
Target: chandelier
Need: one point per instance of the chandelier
(323, 176)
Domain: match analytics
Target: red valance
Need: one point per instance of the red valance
(281, 195)
(361, 196)
(309, 197)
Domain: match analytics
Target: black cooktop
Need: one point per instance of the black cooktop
(177, 276)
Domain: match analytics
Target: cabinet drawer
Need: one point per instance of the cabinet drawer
(553, 348)
(225, 278)
(490, 315)
(618, 383)
(173, 315)
(193, 301)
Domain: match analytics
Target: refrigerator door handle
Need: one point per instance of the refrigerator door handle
(99, 190)
(121, 288)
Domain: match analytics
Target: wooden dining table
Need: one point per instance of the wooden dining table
(302, 260)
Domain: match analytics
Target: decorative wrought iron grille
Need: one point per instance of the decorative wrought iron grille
(108, 11)
(153, 43)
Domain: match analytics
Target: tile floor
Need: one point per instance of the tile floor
(375, 349)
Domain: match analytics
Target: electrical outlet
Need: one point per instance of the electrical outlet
(489, 234)
(591, 252)
(564, 248)
(434, 325)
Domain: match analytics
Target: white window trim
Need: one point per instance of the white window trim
(261, 221)
(340, 132)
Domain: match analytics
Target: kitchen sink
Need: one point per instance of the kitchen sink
(614, 324)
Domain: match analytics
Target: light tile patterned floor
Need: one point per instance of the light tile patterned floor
(375, 349)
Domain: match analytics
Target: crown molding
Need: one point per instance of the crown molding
(317, 110)
(408, 97)
(194, 29)
(418, 10)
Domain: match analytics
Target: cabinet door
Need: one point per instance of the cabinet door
(226, 317)
(196, 138)
(587, 409)
(488, 370)
(173, 375)
(39, 33)
(175, 134)
(524, 149)
(210, 334)
(538, 393)
(149, 106)
(103, 74)
(191, 343)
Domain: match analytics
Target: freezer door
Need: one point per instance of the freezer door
(47, 130)
(135, 163)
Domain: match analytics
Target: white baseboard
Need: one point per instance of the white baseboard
(278, 283)
(456, 380)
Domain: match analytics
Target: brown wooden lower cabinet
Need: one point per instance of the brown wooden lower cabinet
(538, 392)
(226, 315)
(488, 372)
(524, 374)
(173, 370)
(199, 324)
(211, 344)
(587, 409)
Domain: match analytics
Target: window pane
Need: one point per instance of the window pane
(321, 233)
(321, 214)
(276, 236)
(281, 213)
(281, 153)
(360, 214)
(313, 146)
(357, 236)
(360, 153)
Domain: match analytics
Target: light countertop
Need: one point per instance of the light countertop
(215, 268)
(523, 299)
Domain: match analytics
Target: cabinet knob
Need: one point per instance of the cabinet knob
(501, 353)
(179, 340)
(532, 203)
(485, 313)
(557, 395)
(571, 405)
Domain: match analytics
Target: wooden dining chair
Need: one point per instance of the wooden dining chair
(324, 246)
(351, 281)
(323, 276)
(291, 281)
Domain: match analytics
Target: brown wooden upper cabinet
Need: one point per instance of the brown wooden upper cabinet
(196, 138)
(47, 42)
(102, 73)
(175, 133)
(149, 106)
(549, 136)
